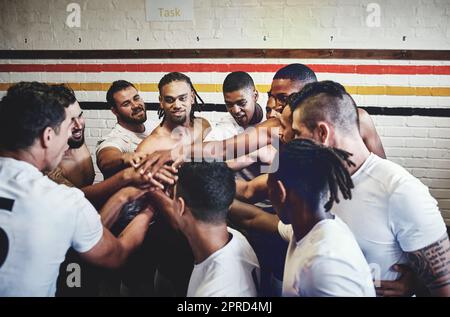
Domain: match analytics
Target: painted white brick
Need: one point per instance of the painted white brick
(445, 164)
(440, 193)
(438, 154)
(437, 183)
(439, 133)
(436, 173)
(413, 162)
(106, 114)
(443, 144)
(420, 143)
(394, 142)
(95, 123)
(392, 121)
(416, 121)
(94, 132)
(415, 132)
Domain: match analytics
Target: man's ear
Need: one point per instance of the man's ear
(256, 95)
(280, 192)
(324, 133)
(47, 137)
(160, 101)
(192, 97)
(181, 206)
(114, 110)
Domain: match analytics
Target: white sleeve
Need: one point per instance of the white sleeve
(110, 142)
(329, 277)
(88, 228)
(414, 216)
(285, 231)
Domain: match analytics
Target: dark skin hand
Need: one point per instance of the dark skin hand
(403, 286)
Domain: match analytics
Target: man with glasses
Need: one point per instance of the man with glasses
(292, 78)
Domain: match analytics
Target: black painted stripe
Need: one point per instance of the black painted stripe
(229, 53)
(383, 111)
(6, 204)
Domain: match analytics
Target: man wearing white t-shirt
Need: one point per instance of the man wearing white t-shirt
(225, 263)
(323, 257)
(39, 219)
(115, 151)
(392, 214)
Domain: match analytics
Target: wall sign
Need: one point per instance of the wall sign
(169, 10)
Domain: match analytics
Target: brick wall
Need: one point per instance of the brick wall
(419, 143)
(412, 24)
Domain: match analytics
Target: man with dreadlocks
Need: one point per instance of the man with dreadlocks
(323, 257)
(392, 214)
(178, 102)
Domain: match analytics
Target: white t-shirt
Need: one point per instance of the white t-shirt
(125, 140)
(226, 128)
(232, 271)
(45, 220)
(326, 262)
(391, 212)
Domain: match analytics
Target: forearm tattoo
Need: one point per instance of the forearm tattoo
(432, 264)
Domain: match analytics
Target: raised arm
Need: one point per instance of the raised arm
(252, 191)
(251, 217)
(369, 134)
(111, 160)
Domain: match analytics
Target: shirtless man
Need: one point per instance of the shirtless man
(178, 102)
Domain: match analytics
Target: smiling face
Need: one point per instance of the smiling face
(241, 105)
(76, 140)
(57, 143)
(176, 99)
(129, 106)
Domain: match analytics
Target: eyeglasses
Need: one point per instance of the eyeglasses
(282, 98)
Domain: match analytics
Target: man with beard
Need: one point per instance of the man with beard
(115, 151)
(39, 219)
(178, 101)
(76, 168)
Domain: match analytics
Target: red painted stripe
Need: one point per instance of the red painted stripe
(225, 68)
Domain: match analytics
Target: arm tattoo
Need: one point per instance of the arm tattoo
(432, 264)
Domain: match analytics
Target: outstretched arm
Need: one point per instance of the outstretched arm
(251, 217)
(252, 191)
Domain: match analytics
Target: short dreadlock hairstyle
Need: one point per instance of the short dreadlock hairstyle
(176, 76)
(312, 171)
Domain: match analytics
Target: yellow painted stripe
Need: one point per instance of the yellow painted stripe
(217, 88)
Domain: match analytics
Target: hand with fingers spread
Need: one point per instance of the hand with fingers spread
(155, 161)
(402, 287)
(134, 159)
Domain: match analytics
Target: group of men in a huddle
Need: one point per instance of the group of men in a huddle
(339, 219)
